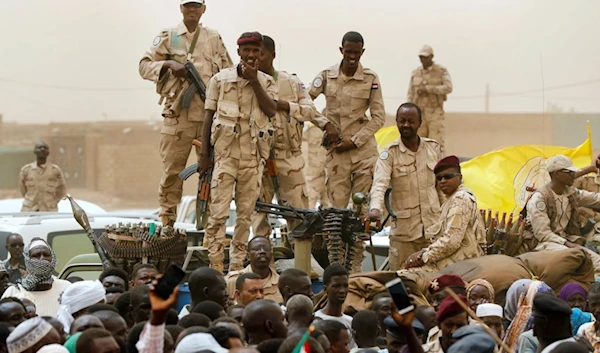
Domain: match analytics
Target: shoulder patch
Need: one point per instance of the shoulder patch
(156, 41)
(384, 155)
(541, 206)
(375, 85)
(318, 82)
(302, 86)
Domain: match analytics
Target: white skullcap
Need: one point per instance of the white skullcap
(485, 310)
(197, 342)
(37, 243)
(78, 296)
(27, 334)
(53, 348)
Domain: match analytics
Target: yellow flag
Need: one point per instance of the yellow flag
(386, 136)
(499, 179)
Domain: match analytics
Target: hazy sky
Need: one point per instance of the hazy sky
(68, 60)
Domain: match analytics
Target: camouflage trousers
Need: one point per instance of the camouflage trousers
(292, 190)
(316, 189)
(232, 178)
(401, 250)
(433, 125)
(176, 138)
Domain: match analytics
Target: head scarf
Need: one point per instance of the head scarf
(523, 320)
(38, 271)
(72, 342)
(27, 334)
(579, 318)
(483, 283)
(78, 296)
(512, 297)
(570, 290)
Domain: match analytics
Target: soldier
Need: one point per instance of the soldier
(163, 65)
(407, 165)
(552, 210)
(294, 107)
(428, 88)
(349, 91)
(459, 233)
(590, 183)
(42, 185)
(243, 99)
(314, 170)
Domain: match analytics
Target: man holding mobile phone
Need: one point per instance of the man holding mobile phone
(241, 100)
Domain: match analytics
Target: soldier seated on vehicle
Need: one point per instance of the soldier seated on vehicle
(260, 253)
(459, 231)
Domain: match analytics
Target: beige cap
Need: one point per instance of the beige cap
(560, 162)
(183, 2)
(426, 51)
(488, 309)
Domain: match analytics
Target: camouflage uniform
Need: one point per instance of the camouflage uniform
(287, 150)
(42, 187)
(438, 84)
(590, 183)
(457, 236)
(314, 170)
(241, 136)
(180, 126)
(414, 197)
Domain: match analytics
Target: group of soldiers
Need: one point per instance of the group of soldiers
(251, 113)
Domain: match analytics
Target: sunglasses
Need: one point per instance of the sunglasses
(14, 245)
(570, 172)
(446, 176)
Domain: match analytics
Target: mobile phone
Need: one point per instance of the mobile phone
(169, 281)
(400, 296)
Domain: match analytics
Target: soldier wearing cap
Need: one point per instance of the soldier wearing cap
(294, 108)
(429, 87)
(163, 65)
(450, 317)
(241, 100)
(552, 210)
(459, 232)
(350, 90)
(408, 166)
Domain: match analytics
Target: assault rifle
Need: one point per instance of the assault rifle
(196, 86)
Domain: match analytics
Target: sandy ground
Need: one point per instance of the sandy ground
(104, 200)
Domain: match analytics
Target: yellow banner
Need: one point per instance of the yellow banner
(499, 178)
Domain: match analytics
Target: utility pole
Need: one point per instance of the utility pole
(487, 98)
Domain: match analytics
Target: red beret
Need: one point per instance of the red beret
(445, 163)
(250, 38)
(450, 307)
(445, 281)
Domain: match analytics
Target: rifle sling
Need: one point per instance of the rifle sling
(193, 45)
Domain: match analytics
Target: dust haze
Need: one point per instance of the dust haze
(77, 60)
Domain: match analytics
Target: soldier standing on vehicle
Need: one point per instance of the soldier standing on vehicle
(163, 65)
(407, 165)
(294, 107)
(429, 87)
(350, 89)
(42, 184)
(241, 100)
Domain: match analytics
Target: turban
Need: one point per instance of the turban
(78, 296)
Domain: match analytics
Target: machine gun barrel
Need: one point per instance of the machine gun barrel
(283, 211)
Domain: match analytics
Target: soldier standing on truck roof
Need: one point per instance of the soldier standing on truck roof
(42, 184)
(163, 65)
(241, 100)
(350, 89)
(429, 87)
(294, 107)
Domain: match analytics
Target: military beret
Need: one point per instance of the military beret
(450, 307)
(445, 281)
(472, 339)
(396, 331)
(445, 163)
(547, 305)
(250, 38)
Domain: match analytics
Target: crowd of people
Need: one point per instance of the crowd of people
(259, 310)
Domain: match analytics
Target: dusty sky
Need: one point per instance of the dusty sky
(69, 60)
